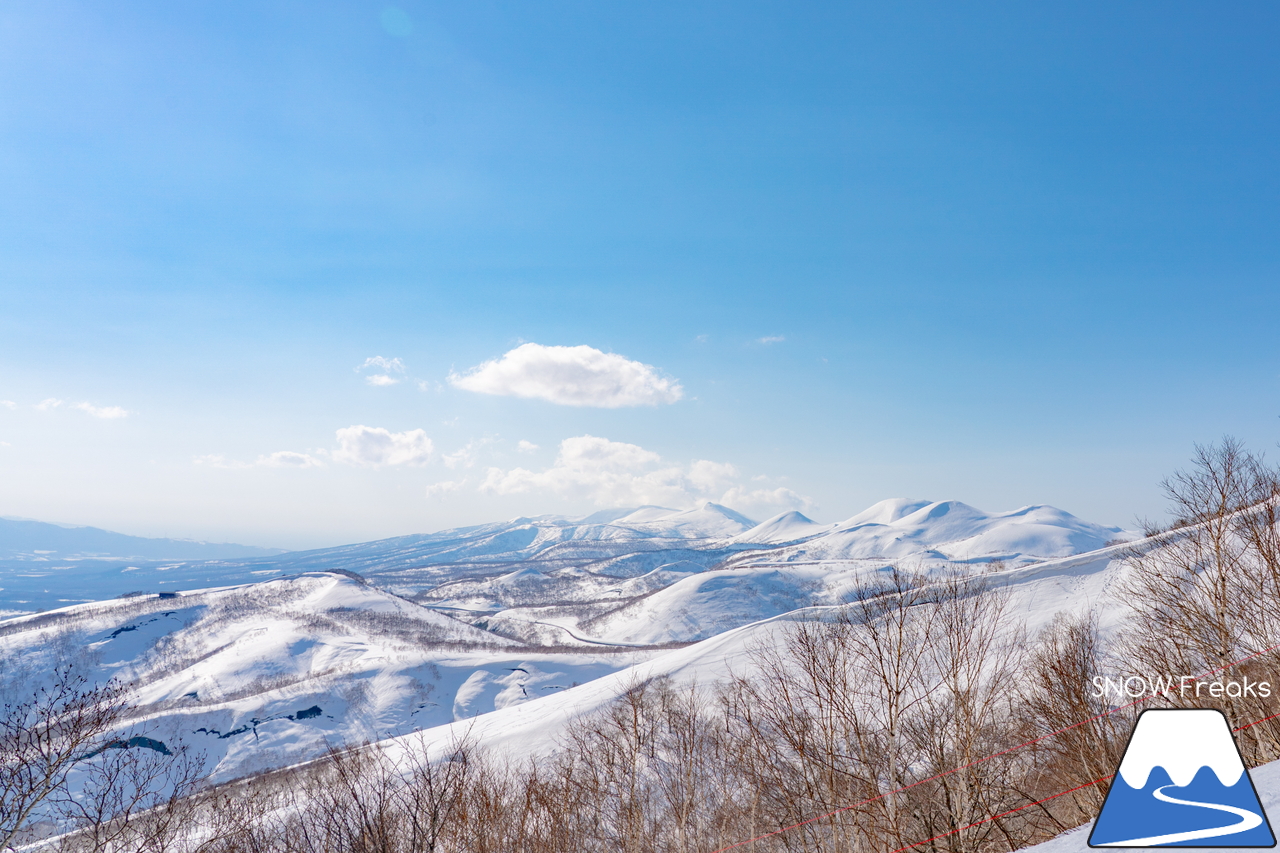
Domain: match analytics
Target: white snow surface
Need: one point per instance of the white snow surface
(512, 630)
(1037, 594)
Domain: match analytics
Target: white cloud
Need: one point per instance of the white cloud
(614, 473)
(46, 405)
(388, 366)
(765, 501)
(279, 459)
(217, 460)
(375, 447)
(570, 376)
(445, 487)
(107, 412)
(526, 446)
(464, 457)
(8, 404)
(289, 459)
(770, 339)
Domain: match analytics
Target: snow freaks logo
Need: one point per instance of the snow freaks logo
(1182, 783)
(1137, 686)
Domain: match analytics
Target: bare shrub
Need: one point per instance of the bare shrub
(43, 734)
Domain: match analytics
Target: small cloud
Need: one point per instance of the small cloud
(427, 385)
(614, 473)
(289, 459)
(702, 339)
(106, 412)
(570, 376)
(526, 446)
(771, 339)
(765, 500)
(5, 444)
(8, 404)
(388, 366)
(374, 447)
(445, 487)
(217, 460)
(48, 405)
(464, 457)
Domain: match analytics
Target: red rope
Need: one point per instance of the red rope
(944, 773)
(1255, 722)
(1005, 814)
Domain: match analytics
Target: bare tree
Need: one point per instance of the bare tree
(1207, 594)
(974, 659)
(42, 737)
(1090, 735)
(135, 796)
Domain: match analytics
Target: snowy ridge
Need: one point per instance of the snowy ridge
(954, 531)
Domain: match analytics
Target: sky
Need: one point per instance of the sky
(296, 274)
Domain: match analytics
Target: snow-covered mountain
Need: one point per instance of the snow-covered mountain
(574, 571)
(270, 659)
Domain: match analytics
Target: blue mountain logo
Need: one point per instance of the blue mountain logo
(1182, 783)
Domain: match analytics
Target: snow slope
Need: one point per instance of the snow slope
(263, 675)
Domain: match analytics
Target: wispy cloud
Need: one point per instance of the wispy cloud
(444, 488)
(771, 339)
(48, 405)
(106, 412)
(526, 446)
(375, 447)
(464, 457)
(217, 460)
(8, 404)
(615, 473)
(279, 459)
(289, 459)
(570, 376)
(363, 446)
(387, 366)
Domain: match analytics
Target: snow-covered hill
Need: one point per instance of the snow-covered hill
(266, 674)
(521, 625)
(578, 570)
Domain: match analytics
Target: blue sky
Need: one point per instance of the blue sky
(826, 253)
